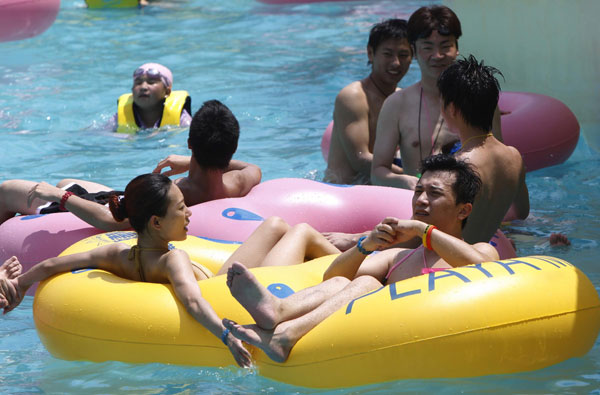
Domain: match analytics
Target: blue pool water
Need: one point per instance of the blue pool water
(278, 68)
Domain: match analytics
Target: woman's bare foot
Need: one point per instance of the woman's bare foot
(251, 294)
(559, 239)
(273, 342)
(11, 268)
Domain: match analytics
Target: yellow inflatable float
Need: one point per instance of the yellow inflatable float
(497, 317)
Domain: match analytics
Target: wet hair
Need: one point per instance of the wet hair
(145, 196)
(427, 19)
(390, 28)
(467, 183)
(473, 89)
(214, 134)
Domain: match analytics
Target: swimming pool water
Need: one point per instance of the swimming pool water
(278, 68)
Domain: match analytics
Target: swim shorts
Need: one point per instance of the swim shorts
(101, 197)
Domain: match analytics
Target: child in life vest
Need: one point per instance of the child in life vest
(152, 103)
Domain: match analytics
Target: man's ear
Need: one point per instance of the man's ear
(370, 54)
(465, 211)
(452, 110)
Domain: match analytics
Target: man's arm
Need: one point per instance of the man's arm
(348, 263)
(243, 175)
(343, 241)
(178, 164)
(93, 213)
(386, 141)
(351, 119)
(454, 251)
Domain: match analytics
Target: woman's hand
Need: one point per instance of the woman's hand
(239, 352)
(44, 191)
(10, 294)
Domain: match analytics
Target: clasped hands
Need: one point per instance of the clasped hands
(392, 231)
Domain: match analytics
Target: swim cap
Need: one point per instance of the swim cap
(155, 70)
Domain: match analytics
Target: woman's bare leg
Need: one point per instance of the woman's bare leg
(13, 199)
(300, 243)
(90, 186)
(275, 243)
(259, 244)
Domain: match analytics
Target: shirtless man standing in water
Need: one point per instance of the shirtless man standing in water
(411, 118)
(357, 105)
(469, 95)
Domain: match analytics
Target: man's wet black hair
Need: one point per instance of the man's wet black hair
(390, 28)
(467, 183)
(214, 134)
(473, 90)
(427, 19)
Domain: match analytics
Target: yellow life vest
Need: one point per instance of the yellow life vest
(112, 3)
(175, 103)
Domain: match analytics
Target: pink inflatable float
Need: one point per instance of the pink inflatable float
(20, 19)
(326, 207)
(542, 128)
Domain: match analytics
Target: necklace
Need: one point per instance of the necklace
(377, 86)
(473, 137)
(428, 123)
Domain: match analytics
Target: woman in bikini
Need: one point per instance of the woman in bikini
(157, 212)
(442, 201)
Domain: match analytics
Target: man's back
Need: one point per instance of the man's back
(503, 183)
(203, 184)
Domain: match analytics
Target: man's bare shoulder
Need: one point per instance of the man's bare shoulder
(403, 97)
(490, 253)
(509, 153)
(515, 154)
(352, 97)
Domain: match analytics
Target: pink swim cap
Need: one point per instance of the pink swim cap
(155, 70)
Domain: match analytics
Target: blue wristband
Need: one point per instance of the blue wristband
(224, 336)
(361, 248)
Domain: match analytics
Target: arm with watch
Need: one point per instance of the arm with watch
(392, 231)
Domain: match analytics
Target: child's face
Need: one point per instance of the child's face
(148, 91)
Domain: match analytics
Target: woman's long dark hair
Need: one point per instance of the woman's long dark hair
(145, 196)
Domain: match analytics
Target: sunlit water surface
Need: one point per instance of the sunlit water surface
(278, 68)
